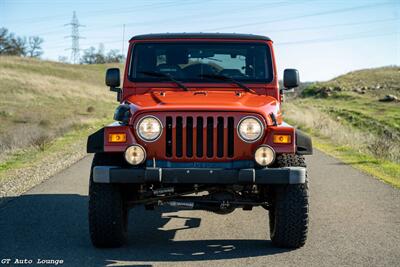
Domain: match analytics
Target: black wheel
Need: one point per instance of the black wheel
(108, 211)
(288, 215)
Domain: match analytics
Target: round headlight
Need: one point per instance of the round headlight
(149, 128)
(135, 154)
(264, 155)
(250, 129)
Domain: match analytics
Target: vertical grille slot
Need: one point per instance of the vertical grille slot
(168, 137)
(179, 137)
(189, 137)
(231, 132)
(220, 137)
(210, 137)
(199, 134)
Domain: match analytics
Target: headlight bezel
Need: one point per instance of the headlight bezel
(143, 138)
(249, 140)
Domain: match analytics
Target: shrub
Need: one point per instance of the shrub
(41, 141)
(311, 90)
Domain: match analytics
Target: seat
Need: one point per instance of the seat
(171, 69)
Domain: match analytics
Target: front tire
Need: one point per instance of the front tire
(288, 215)
(108, 212)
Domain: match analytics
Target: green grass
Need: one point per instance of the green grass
(354, 125)
(359, 110)
(386, 171)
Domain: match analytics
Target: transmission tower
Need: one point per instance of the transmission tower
(74, 38)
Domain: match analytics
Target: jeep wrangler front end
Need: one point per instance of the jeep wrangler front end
(199, 113)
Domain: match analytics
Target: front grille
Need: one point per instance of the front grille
(199, 137)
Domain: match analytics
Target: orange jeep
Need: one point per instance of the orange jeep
(199, 113)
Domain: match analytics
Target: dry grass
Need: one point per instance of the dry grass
(41, 100)
(324, 125)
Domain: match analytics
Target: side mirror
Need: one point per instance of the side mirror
(291, 78)
(113, 81)
(113, 78)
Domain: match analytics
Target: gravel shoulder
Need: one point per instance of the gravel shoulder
(19, 180)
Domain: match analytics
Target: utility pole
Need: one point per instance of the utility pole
(74, 38)
(123, 39)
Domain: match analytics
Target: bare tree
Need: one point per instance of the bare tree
(89, 56)
(11, 44)
(34, 48)
(63, 59)
(100, 57)
(113, 56)
(17, 45)
(3, 40)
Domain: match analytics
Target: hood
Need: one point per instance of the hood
(204, 100)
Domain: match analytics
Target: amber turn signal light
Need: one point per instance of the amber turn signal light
(117, 137)
(282, 139)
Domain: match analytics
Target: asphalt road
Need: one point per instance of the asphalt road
(355, 221)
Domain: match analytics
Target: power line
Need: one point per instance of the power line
(267, 32)
(298, 17)
(334, 25)
(91, 13)
(153, 7)
(74, 38)
(343, 38)
(123, 39)
(283, 30)
(358, 35)
(191, 16)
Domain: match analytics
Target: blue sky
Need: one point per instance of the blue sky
(322, 39)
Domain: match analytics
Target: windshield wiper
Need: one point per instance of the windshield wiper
(227, 78)
(164, 75)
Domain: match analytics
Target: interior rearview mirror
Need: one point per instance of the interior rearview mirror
(291, 78)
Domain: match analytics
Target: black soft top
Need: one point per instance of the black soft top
(200, 36)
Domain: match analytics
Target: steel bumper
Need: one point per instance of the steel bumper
(112, 174)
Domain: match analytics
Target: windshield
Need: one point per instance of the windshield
(189, 62)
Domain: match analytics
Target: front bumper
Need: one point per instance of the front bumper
(112, 174)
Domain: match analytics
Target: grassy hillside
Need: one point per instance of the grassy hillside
(346, 113)
(377, 81)
(41, 100)
(46, 106)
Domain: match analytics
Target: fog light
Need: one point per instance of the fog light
(135, 154)
(264, 155)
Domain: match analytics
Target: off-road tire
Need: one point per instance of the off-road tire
(288, 215)
(108, 212)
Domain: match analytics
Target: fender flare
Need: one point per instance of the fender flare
(95, 142)
(303, 143)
